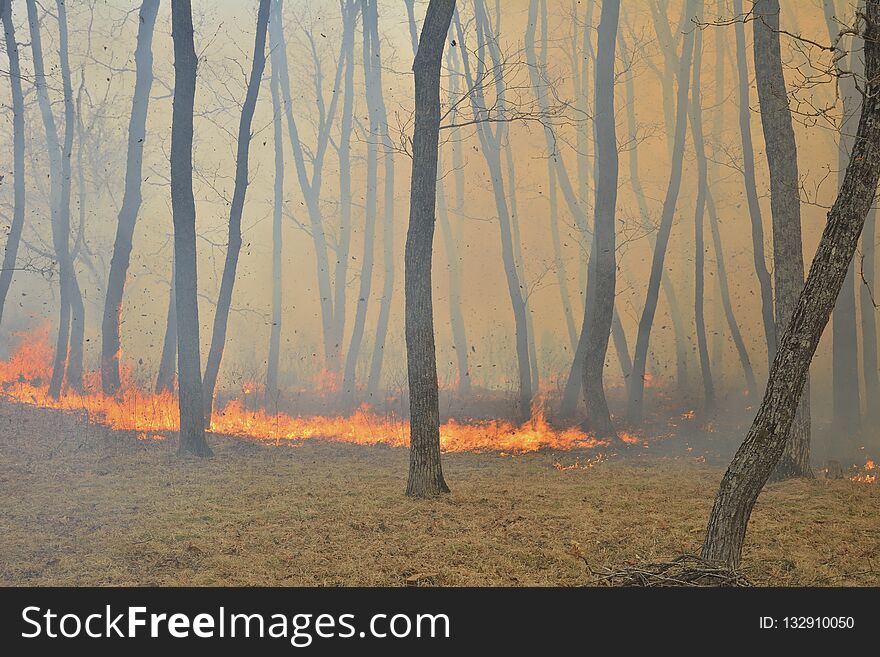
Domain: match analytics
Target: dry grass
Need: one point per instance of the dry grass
(81, 505)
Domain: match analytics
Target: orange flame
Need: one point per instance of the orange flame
(24, 378)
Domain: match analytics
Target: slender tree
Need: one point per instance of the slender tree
(425, 470)
(765, 443)
(277, 235)
(491, 143)
(785, 206)
(168, 360)
(183, 210)
(131, 199)
(13, 240)
(751, 187)
(846, 403)
(699, 221)
(640, 359)
(598, 318)
(369, 13)
(233, 248)
(388, 254)
(59, 183)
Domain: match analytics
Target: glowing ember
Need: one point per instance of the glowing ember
(25, 375)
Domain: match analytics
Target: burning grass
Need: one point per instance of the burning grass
(82, 504)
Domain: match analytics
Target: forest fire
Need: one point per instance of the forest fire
(24, 378)
(867, 474)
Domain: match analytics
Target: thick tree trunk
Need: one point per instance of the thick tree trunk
(13, 240)
(425, 471)
(637, 382)
(766, 440)
(233, 248)
(168, 360)
(785, 205)
(751, 188)
(277, 242)
(604, 269)
(183, 210)
(131, 199)
(699, 223)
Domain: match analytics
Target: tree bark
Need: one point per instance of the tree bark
(13, 240)
(767, 438)
(183, 210)
(637, 382)
(131, 199)
(785, 206)
(425, 470)
(233, 248)
(604, 269)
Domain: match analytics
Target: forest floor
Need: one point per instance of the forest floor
(81, 505)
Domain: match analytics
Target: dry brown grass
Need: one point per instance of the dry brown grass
(80, 505)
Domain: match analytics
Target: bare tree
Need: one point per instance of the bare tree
(637, 382)
(388, 256)
(598, 317)
(131, 199)
(785, 206)
(846, 404)
(13, 240)
(183, 209)
(168, 359)
(425, 470)
(227, 282)
(59, 168)
(277, 234)
(765, 443)
(751, 188)
(699, 220)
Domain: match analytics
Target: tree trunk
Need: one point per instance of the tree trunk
(60, 236)
(168, 360)
(343, 247)
(751, 187)
(19, 199)
(183, 211)
(604, 269)
(844, 338)
(425, 471)
(637, 382)
(491, 148)
(868, 309)
(311, 187)
(371, 63)
(699, 220)
(767, 438)
(388, 256)
(277, 242)
(131, 199)
(230, 266)
(785, 206)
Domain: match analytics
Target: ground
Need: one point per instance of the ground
(81, 505)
